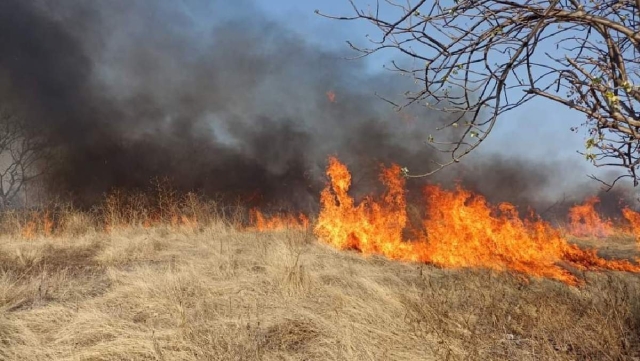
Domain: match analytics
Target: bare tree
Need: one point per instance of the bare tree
(19, 152)
(481, 58)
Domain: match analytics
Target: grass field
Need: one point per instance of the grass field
(217, 293)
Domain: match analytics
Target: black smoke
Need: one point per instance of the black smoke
(128, 92)
(124, 92)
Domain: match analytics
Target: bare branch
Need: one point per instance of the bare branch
(479, 59)
(19, 152)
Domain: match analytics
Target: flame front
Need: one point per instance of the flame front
(586, 222)
(460, 229)
(633, 218)
(370, 227)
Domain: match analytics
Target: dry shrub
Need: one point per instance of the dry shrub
(181, 278)
(479, 315)
(34, 275)
(160, 206)
(50, 220)
(163, 205)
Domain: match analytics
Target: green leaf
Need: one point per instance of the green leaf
(590, 143)
(612, 98)
(590, 157)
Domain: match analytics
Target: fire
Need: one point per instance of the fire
(465, 231)
(261, 222)
(371, 227)
(331, 96)
(633, 218)
(460, 229)
(29, 230)
(586, 222)
(39, 224)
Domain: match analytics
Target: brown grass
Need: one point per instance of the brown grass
(173, 277)
(213, 292)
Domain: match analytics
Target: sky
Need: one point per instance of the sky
(132, 90)
(539, 129)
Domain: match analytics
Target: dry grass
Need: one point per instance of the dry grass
(215, 293)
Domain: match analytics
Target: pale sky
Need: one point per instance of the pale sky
(539, 128)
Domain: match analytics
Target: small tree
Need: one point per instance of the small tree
(19, 152)
(481, 58)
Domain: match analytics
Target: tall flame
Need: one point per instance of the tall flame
(371, 227)
(586, 222)
(633, 218)
(460, 230)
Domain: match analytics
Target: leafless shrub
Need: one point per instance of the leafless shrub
(20, 150)
(478, 59)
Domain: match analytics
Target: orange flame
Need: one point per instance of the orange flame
(586, 222)
(262, 223)
(29, 230)
(39, 224)
(460, 230)
(47, 224)
(633, 218)
(371, 227)
(331, 96)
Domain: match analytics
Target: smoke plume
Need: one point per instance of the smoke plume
(238, 105)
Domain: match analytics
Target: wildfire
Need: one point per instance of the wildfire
(460, 229)
(331, 96)
(39, 224)
(634, 222)
(586, 222)
(261, 222)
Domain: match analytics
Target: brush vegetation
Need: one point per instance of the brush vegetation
(183, 279)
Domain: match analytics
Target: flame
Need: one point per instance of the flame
(633, 218)
(38, 224)
(586, 222)
(331, 96)
(371, 227)
(461, 229)
(47, 224)
(261, 222)
(29, 230)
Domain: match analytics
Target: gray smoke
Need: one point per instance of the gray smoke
(238, 106)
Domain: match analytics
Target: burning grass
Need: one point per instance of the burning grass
(223, 293)
(456, 228)
(261, 222)
(586, 222)
(460, 230)
(178, 277)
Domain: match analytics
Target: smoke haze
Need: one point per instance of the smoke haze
(130, 91)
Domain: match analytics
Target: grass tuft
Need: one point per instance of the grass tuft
(180, 278)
